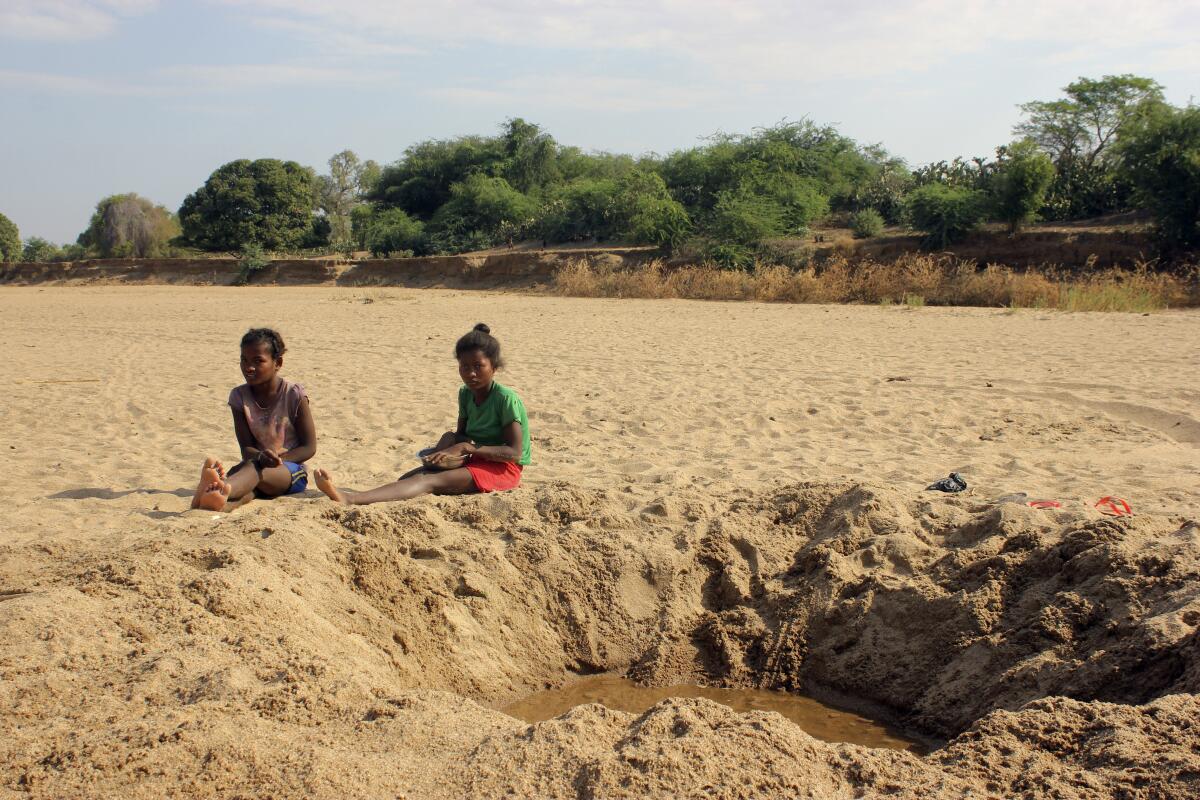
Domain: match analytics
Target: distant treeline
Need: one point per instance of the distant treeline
(1107, 145)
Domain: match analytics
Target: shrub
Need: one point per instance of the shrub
(252, 261)
(945, 215)
(480, 212)
(645, 213)
(1161, 158)
(866, 224)
(746, 219)
(581, 209)
(393, 231)
(1021, 182)
(10, 240)
(41, 250)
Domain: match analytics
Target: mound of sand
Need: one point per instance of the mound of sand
(292, 648)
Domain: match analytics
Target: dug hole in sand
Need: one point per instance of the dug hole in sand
(298, 649)
(305, 649)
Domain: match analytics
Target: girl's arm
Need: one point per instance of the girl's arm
(506, 452)
(306, 431)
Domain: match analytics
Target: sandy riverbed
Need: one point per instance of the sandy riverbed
(721, 493)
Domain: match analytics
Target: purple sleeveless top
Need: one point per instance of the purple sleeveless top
(264, 420)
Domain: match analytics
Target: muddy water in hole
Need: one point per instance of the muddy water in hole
(818, 720)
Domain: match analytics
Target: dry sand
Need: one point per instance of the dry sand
(729, 494)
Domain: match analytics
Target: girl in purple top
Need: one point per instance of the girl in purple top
(274, 428)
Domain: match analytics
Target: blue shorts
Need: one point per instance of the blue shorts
(299, 480)
(299, 477)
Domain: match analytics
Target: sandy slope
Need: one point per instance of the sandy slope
(721, 492)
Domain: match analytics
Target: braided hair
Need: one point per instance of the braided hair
(268, 336)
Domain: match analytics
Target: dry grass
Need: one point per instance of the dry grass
(913, 280)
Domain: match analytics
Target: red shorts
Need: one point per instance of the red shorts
(495, 476)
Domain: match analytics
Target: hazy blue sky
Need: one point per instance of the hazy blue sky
(106, 96)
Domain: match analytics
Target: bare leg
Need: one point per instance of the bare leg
(454, 481)
(244, 479)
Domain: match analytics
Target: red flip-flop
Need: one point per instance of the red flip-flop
(1044, 504)
(1113, 507)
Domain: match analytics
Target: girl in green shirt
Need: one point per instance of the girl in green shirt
(485, 453)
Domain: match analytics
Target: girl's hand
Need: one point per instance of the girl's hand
(450, 458)
(268, 458)
(271, 435)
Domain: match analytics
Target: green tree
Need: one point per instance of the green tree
(342, 190)
(10, 240)
(746, 219)
(645, 213)
(482, 212)
(1161, 159)
(392, 231)
(585, 208)
(945, 214)
(41, 250)
(129, 226)
(1023, 176)
(530, 156)
(420, 182)
(268, 202)
(1079, 132)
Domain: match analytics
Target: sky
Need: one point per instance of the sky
(99, 97)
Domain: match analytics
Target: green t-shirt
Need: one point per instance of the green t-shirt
(486, 423)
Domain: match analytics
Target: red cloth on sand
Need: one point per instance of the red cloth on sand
(494, 476)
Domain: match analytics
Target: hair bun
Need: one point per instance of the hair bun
(482, 328)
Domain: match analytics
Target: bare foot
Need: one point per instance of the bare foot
(325, 484)
(212, 472)
(214, 496)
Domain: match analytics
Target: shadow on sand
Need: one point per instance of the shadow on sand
(109, 494)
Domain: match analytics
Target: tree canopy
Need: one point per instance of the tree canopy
(266, 202)
(10, 240)
(1023, 176)
(1107, 144)
(343, 189)
(1080, 131)
(129, 226)
(1161, 159)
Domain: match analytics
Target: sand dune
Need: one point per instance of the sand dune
(721, 493)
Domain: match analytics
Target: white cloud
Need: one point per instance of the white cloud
(70, 84)
(194, 79)
(591, 93)
(66, 20)
(754, 39)
(238, 77)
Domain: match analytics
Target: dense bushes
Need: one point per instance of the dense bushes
(866, 224)
(735, 199)
(10, 240)
(1019, 187)
(944, 214)
(1161, 160)
(392, 231)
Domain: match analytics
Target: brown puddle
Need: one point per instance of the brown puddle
(817, 719)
